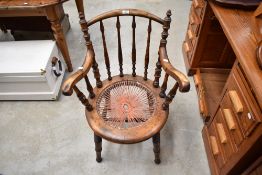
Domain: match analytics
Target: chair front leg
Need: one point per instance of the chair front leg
(98, 147)
(156, 149)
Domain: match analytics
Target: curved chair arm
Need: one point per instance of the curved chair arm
(182, 80)
(70, 82)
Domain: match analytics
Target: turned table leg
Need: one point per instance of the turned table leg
(3, 28)
(52, 16)
(156, 149)
(80, 6)
(98, 147)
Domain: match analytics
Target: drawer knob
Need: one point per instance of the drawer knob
(197, 4)
(221, 133)
(186, 47)
(190, 34)
(197, 78)
(214, 145)
(201, 106)
(229, 119)
(236, 101)
(250, 116)
(192, 20)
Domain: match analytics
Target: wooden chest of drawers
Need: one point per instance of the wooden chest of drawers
(195, 20)
(219, 49)
(235, 128)
(205, 44)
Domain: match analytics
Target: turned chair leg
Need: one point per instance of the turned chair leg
(98, 147)
(156, 149)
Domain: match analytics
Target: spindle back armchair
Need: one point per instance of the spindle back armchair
(126, 108)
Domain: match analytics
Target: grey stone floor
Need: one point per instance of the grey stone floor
(39, 137)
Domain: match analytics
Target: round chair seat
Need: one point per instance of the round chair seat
(127, 110)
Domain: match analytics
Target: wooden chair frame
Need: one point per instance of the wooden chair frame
(163, 100)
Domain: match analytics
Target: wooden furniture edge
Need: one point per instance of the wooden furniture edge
(28, 6)
(250, 66)
(205, 136)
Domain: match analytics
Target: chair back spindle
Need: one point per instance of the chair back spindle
(166, 27)
(120, 55)
(107, 62)
(149, 29)
(164, 87)
(89, 87)
(97, 75)
(83, 98)
(84, 29)
(89, 46)
(157, 73)
(163, 43)
(134, 47)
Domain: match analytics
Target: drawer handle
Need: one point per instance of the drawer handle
(186, 47)
(197, 79)
(192, 20)
(236, 101)
(197, 4)
(214, 145)
(229, 119)
(221, 133)
(201, 106)
(250, 116)
(190, 34)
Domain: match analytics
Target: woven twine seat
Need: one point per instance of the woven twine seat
(126, 108)
(126, 104)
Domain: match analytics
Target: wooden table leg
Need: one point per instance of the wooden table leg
(80, 6)
(52, 16)
(3, 28)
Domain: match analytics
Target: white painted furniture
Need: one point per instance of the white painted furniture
(26, 70)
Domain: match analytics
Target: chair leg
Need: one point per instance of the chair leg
(156, 149)
(98, 147)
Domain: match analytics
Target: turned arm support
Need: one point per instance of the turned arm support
(182, 80)
(70, 82)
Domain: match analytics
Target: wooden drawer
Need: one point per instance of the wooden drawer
(243, 104)
(187, 49)
(215, 146)
(201, 95)
(189, 43)
(231, 121)
(225, 141)
(199, 7)
(194, 22)
(191, 36)
(209, 85)
(218, 142)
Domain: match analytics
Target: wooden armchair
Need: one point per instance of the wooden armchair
(126, 108)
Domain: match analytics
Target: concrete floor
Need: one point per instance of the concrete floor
(54, 138)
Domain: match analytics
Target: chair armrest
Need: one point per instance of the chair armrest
(67, 87)
(182, 80)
